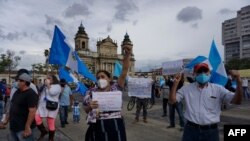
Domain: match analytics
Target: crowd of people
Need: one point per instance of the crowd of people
(24, 105)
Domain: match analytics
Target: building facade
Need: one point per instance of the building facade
(106, 55)
(236, 35)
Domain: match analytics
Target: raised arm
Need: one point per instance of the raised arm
(125, 67)
(238, 94)
(172, 96)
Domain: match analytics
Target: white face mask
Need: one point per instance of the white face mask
(102, 83)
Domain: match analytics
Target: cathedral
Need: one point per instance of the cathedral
(106, 55)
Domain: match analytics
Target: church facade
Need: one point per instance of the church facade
(106, 55)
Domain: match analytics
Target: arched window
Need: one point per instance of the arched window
(83, 45)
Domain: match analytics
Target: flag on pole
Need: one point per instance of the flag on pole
(214, 61)
(61, 53)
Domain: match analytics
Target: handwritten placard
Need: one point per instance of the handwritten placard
(172, 67)
(108, 101)
(140, 87)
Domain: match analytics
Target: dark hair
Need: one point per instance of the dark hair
(105, 72)
(54, 79)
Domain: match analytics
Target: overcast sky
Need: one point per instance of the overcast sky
(160, 30)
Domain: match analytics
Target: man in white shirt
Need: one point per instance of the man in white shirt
(203, 100)
(245, 88)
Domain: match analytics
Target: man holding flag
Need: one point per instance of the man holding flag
(203, 100)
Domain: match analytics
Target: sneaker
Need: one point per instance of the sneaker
(63, 125)
(171, 126)
(145, 121)
(66, 122)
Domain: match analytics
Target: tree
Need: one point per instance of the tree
(9, 61)
(238, 64)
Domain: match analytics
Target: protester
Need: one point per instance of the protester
(107, 125)
(14, 88)
(165, 90)
(65, 101)
(203, 100)
(22, 111)
(2, 95)
(178, 106)
(48, 107)
(245, 88)
(76, 112)
(141, 103)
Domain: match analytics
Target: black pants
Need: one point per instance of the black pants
(141, 104)
(165, 106)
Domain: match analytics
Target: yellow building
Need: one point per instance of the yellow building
(106, 55)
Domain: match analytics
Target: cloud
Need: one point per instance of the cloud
(135, 22)
(12, 35)
(22, 52)
(48, 32)
(125, 8)
(109, 27)
(226, 11)
(52, 21)
(189, 14)
(195, 25)
(77, 10)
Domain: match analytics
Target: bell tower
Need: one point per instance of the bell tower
(81, 39)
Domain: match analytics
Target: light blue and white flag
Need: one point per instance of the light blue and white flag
(68, 76)
(118, 69)
(81, 88)
(219, 75)
(214, 61)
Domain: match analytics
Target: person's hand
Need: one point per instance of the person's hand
(93, 104)
(235, 74)
(2, 125)
(177, 78)
(27, 132)
(127, 50)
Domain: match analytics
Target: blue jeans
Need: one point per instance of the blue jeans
(196, 134)
(18, 136)
(179, 108)
(63, 111)
(1, 109)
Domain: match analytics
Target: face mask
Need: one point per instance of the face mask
(202, 78)
(102, 83)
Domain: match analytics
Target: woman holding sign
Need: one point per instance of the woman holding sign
(106, 125)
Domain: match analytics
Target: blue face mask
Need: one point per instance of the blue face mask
(202, 78)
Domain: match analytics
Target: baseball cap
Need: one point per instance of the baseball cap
(202, 66)
(21, 71)
(24, 77)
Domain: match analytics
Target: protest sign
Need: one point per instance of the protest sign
(108, 101)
